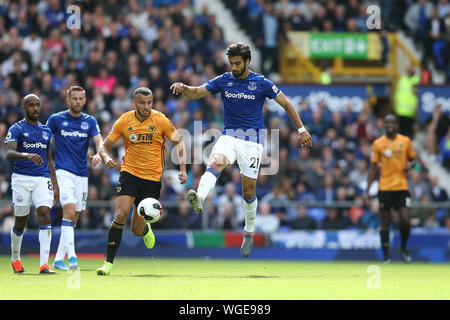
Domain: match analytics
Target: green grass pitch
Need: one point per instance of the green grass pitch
(213, 279)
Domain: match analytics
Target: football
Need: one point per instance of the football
(149, 210)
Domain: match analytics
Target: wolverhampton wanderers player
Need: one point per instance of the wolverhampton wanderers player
(144, 131)
(395, 155)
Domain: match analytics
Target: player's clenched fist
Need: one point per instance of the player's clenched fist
(177, 87)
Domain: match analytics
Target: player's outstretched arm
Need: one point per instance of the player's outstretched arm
(109, 162)
(181, 153)
(13, 154)
(51, 168)
(189, 92)
(304, 137)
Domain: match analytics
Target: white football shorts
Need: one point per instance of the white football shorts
(29, 190)
(247, 154)
(72, 189)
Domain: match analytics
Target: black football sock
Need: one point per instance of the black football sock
(384, 235)
(114, 238)
(404, 234)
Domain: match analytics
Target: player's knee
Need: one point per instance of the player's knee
(20, 223)
(43, 214)
(218, 162)
(248, 193)
(121, 216)
(69, 213)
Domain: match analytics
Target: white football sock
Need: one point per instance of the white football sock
(45, 237)
(16, 244)
(69, 238)
(250, 214)
(207, 182)
(61, 252)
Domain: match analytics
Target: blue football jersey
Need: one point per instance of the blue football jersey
(30, 139)
(243, 99)
(71, 136)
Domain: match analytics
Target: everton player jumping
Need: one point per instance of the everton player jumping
(243, 93)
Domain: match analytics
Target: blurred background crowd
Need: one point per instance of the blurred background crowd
(125, 44)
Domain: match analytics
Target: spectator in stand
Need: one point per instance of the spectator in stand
(416, 17)
(278, 203)
(437, 193)
(434, 43)
(437, 129)
(372, 219)
(425, 74)
(417, 186)
(230, 210)
(359, 174)
(302, 222)
(270, 30)
(333, 221)
(105, 81)
(308, 8)
(121, 102)
(357, 212)
(328, 192)
(265, 221)
(186, 219)
(445, 151)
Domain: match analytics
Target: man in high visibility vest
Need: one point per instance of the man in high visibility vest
(406, 101)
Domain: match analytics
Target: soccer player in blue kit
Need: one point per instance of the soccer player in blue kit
(33, 181)
(243, 93)
(72, 130)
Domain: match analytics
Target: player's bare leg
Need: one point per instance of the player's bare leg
(45, 238)
(16, 242)
(123, 207)
(250, 206)
(142, 229)
(405, 227)
(217, 163)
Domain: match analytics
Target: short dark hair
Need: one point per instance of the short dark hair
(391, 116)
(74, 88)
(142, 90)
(239, 49)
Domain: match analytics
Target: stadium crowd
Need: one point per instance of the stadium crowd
(123, 46)
(426, 21)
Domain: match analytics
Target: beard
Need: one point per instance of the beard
(76, 109)
(142, 113)
(238, 73)
(32, 116)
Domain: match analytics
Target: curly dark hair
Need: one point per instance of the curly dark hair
(239, 49)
